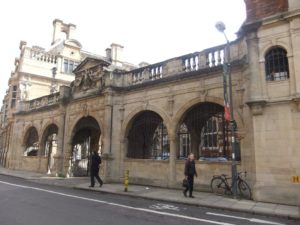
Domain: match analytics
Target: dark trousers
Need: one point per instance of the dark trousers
(95, 174)
(190, 186)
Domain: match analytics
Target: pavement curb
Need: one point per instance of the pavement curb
(254, 212)
(134, 195)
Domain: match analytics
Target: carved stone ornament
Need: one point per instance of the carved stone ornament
(88, 79)
(257, 107)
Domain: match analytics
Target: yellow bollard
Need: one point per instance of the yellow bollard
(126, 181)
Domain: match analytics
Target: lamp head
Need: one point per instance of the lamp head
(220, 26)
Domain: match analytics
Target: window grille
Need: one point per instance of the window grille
(276, 63)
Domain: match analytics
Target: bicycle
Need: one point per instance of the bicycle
(220, 185)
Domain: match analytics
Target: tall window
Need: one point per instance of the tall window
(148, 137)
(184, 141)
(276, 63)
(69, 65)
(14, 96)
(205, 132)
(215, 138)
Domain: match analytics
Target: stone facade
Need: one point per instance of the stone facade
(145, 119)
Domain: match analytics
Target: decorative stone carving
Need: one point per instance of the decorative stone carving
(257, 107)
(88, 79)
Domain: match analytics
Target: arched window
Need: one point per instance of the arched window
(277, 66)
(31, 142)
(205, 132)
(148, 137)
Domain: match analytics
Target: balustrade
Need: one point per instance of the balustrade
(207, 58)
(42, 56)
(42, 101)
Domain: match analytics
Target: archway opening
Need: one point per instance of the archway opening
(205, 132)
(148, 137)
(86, 138)
(31, 142)
(49, 145)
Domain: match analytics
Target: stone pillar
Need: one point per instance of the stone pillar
(294, 67)
(59, 156)
(264, 86)
(255, 81)
(123, 153)
(107, 133)
(172, 160)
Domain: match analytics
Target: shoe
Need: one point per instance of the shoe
(192, 196)
(101, 184)
(91, 186)
(184, 193)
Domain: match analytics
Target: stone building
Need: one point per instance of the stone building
(147, 119)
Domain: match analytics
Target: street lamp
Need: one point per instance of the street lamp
(227, 79)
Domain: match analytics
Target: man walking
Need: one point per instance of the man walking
(190, 172)
(95, 166)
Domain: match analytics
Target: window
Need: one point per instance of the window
(276, 64)
(148, 137)
(69, 65)
(14, 96)
(205, 132)
(215, 138)
(184, 141)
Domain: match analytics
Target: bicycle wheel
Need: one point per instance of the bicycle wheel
(218, 186)
(244, 190)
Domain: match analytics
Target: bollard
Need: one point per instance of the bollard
(126, 180)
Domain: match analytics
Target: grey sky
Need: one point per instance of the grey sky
(150, 30)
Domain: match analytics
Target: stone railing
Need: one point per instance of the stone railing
(197, 61)
(41, 56)
(40, 102)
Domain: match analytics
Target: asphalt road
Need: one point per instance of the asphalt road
(23, 202)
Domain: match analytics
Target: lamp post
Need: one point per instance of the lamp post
(227, 80)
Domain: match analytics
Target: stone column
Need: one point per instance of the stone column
(255, 81)
(294, 67)
(59, 155)
(264, 86)
(172, 160)
(123, 152)
(107, 133)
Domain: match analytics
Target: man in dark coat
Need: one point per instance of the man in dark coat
(190, 172)
(95, 166)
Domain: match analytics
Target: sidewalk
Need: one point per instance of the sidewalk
(203, 199)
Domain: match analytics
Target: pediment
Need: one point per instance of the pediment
(89, 75)
(90, 62)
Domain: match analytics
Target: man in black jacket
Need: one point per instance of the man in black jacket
(190, 172)
(95, 164)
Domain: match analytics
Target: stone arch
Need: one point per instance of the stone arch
(31, 141)
(85, 137)
(49, 129)
(48, 144)
(130, 117)
(269, 46)
(147, 136)
(195, 132)
(183, 110)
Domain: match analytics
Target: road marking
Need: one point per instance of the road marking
(118, 205)
(160, 206)
(244, 218)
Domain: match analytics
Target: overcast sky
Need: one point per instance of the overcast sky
(149, 30)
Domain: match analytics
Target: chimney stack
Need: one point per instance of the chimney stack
(116, 54)
(259, 9)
